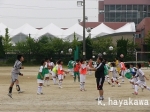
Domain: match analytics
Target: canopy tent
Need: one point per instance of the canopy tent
(22, 32)
(51, 30)
(101, 30)
(76, 29)
(3, 29)
(127, 28)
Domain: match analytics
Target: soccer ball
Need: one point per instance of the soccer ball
(99, 55)
(121, 55)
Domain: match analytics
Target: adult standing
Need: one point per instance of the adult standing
(100, 77)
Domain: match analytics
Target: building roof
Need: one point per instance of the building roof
(113, 25)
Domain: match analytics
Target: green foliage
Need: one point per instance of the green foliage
(101, 45)
(7, 42)
(2, 53)
(122, 47)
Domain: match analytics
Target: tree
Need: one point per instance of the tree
(2, 53)
(101, 45)
(122, 47)
(7, 42)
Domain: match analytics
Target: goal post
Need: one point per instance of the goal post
(139, 53)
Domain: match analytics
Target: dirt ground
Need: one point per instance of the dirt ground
(69, 98)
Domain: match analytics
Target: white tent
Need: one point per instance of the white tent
(101, 30)
(3, 29)
(127, 28)
(51, 30)
(68, 34)
(21, 33)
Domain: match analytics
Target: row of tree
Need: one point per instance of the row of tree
(52, 47)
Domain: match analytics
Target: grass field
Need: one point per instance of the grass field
(69, 98)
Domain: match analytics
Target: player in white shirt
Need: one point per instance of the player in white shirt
(114, 75)
(47, 75)
(141, 80)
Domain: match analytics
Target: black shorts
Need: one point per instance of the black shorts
(100, 82)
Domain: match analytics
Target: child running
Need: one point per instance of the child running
(133, 72)
(83, 72)
(40, 78)
(114, 75)
(122, 68)
(76, 70)
(47, 73)
(14, 74)
(54, 73)
(141, 80)
(106, 70)
(60, 73)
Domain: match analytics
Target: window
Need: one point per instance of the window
(129, 15)
(145, 8)
(123, 7)
(129, 7)
(135, 8)
(148, 8)
(140, 8)
(112, 15)
(106, 15)
(106, 8)
(134, 15)
(112, 7)
(118, 7)
(144, 14)
(118, 16)
(148, 14)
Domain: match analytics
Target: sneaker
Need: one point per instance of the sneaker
(100, 98)
(10, 95)
(42, 93)
(80, 89)
(112, 85)
(20, 91)
(83, 89)
(119, 85)
(38, 93)
(109, 83)
(60, 87)
(135, 93)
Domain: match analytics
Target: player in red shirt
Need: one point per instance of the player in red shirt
(76, 70)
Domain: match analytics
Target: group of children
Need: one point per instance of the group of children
(134, 74)
(79, 69)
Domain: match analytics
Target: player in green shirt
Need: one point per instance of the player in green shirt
(40, 77)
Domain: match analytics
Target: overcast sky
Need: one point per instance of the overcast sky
(40, 13)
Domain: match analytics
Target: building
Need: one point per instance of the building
(123, 10)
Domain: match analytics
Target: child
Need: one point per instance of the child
(14, 74)
(76, 70)
(90, 63)
(60, 73)
(47, 81)
(83, 71)
(122, 68)
(40, 77)
(70, 66)
(54, 73)
(106, 71)
(114, 75)
(141, 80)
(133, 72)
